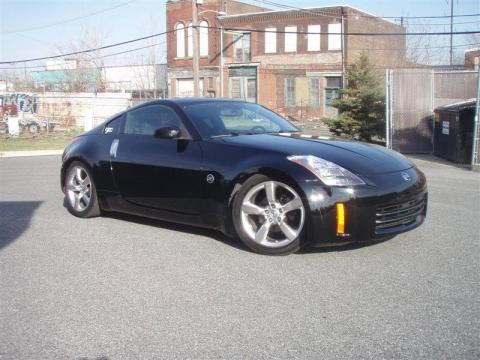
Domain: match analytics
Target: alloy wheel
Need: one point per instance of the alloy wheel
(272, 214)
(79, 188)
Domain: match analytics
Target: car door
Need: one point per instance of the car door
(153, 172)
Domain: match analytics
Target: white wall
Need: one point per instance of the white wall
(83, 110)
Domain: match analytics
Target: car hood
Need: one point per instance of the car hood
(357, 157)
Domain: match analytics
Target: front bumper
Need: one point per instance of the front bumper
(386, 206)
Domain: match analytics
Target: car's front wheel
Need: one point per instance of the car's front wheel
(80, 192)
(269, 216)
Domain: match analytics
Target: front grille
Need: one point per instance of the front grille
(403, 213)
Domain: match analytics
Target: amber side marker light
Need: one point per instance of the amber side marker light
(340, 219)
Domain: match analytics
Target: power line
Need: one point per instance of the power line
(163, 42)
(239, 30)
(429, 17)
(86, 51)
(67, 20)
(99, 57)
(315, 12)
(132, 50)
(444, 24)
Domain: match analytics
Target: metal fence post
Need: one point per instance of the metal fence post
(475, 124)
(387, 109)
(433, 106)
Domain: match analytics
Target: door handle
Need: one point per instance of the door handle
(114, 148)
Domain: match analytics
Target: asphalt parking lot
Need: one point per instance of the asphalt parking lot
(120, 287)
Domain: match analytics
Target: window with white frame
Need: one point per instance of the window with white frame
(334, 36)
(270, 40)
(313, 38)
(190, 40)
(203, 38)
(180, 33)
(290, 92)
(290, 38)
(241, 47)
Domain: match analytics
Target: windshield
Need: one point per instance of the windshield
(224, 118)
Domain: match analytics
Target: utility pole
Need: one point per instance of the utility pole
(221, 60)
(196, 60)
(344, 70)
(451, 32)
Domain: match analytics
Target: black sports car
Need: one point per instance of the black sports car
(244, 170)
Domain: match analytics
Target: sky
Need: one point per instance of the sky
(37, 28)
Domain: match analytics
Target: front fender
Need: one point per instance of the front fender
(93, 151)
(232, 166)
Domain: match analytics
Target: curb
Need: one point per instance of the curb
(11, 154)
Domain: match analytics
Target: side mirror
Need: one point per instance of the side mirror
(167, 132)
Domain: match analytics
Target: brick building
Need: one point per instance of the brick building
(291, 61)
(472, 59)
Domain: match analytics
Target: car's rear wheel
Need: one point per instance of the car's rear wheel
(80, 192)
(269, 216)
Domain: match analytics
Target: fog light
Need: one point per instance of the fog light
(340, 219)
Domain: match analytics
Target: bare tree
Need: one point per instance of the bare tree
(420, 47)
(473, 40)
(146, 64)
(86, 74)
(16, 79)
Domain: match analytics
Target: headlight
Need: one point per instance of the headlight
(330, 173)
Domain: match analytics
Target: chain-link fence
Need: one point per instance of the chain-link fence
(412, 97)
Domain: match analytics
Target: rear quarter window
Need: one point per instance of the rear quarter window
(113, 127)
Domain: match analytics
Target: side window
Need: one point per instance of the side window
(113, 127)
(145, 120)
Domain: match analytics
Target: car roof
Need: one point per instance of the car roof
(190, 100)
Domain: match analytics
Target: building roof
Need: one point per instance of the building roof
(302, 10)
(472, 49)
(56, 77)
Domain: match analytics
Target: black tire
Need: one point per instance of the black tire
(252, 182)
(92, 209)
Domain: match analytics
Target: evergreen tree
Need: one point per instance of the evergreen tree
(362, 105)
